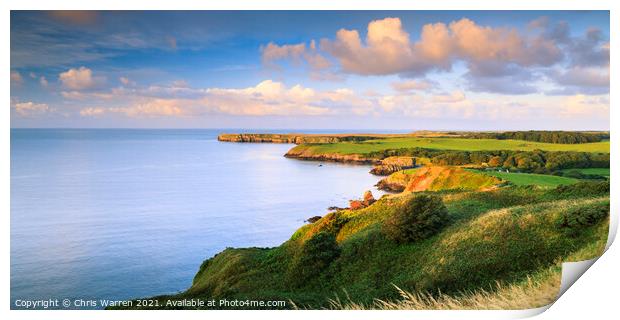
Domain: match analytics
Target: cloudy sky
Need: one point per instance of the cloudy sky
(402, 70)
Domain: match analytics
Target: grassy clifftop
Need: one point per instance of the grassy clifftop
(438, 178)
(505, 235)
(459, 144)
(299, 138)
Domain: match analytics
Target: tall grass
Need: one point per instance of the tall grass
(532, 293)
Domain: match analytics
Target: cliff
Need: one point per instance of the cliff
(300, 138)
(436, 178)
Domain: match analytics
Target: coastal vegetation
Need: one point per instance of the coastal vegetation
(471, 227)
(564, 137)
(537, 161)
(506, 236)
(437, 178)
(524, 179)
(458, 144)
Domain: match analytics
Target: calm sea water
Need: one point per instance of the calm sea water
(118, 214)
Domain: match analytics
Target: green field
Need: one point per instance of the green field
(451, 144)
(524, 179)
(596, 171)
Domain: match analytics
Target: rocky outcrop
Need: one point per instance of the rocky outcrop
(296, 138)
(395, 182)
(385, 169)
(365, 202)
(390, 165)
(313, 219)
(306, 154)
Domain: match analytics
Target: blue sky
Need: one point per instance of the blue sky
(405, 70)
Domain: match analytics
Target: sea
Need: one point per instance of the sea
(126, 213)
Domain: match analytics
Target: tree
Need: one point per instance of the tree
(419, 218)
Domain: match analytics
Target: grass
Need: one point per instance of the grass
(594, 171)
(536, 291)
(449, 144)
(438, 178)
(524, 179)
(504, 236)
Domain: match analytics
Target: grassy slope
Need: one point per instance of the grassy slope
(438, 178)
(502, 235)
(523, 179)
(538, 289)
(449, 144)
(448, 178)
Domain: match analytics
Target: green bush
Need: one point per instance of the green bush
(421, 217)
(315, 255)
(582, 189)
(576, 219)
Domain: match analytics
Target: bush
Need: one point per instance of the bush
(420, 218)
(577, 219)
(315, 255)
(582, 189)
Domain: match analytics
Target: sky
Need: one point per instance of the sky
(346, 70)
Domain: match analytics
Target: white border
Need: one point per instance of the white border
(588, 298)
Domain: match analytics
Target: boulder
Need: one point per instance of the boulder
(313, 219)
(368, 198)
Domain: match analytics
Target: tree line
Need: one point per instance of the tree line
(537, 161)
(566, 137)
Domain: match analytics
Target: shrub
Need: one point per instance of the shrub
(582, 189)
(315, 255)
(576, 219)
(420, 218)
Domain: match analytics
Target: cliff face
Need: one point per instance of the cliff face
(293, 138)
(393, 164)
(306, 154)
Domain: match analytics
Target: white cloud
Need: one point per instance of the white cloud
(78, 95)
(388, 48)
(411, 85)
(272, 52)
(273, 98)
(43, 81)
(154, 108)
(78, 79)
(502, 60)
(27, 109)
(266, 98)
(92, 111)
(318, 64)
(456, 96)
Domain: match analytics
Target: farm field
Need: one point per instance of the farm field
(450, 144)
(523, 179)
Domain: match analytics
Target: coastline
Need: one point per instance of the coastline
(364, 228)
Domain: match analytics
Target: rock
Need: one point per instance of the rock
(368, 198)
(356, 204)
(313, 219)
(365, 202)
(385, 169)
(385, 185)
(390, 165)
(400, 161)
(335, 208)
